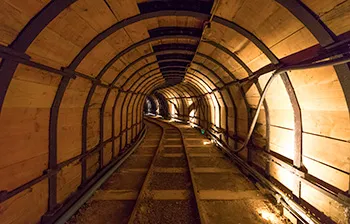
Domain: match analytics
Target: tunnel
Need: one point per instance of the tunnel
(86, 84)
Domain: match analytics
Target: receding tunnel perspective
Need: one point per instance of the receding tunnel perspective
(174, 111)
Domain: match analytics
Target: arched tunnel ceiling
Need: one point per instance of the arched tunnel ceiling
(83, 69)
(197, 10)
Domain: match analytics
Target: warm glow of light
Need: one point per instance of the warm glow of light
(216, 110)
(206, 142)
(268, 216)
(189, 102)
(157, 105)
(174, 120)
(192, 114)
(172, 109)
(193, 125)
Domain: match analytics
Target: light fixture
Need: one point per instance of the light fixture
(206, 142)
(268, 216)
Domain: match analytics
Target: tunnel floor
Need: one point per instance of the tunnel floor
(177, 175)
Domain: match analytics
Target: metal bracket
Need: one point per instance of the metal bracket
(3, 195)
(51, 172)
(13, 53)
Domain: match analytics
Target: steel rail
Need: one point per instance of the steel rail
(5, 195)
(278, 194)
(194, 186)
(89, 193)
(148, 175)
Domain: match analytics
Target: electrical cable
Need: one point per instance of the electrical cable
(280, 71)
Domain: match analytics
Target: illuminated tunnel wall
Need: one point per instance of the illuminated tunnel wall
(75, 74)
(151, 105)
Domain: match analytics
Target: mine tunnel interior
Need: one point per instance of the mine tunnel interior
(87, 85)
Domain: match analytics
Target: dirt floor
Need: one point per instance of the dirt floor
(168, 212)
(241, 212)
(103, 212)
(224, 194)
(170, 181)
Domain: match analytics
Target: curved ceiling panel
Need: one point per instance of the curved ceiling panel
(75, 74)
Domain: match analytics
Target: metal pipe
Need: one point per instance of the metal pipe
(278, 194)
(72, 210)
(280, 71)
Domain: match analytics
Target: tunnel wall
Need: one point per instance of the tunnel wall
(315, 95)
(75, 74)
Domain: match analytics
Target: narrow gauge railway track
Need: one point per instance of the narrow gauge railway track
(177, 176)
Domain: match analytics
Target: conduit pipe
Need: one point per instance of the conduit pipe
(278, 194)
(206, 24)
(280, 71)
